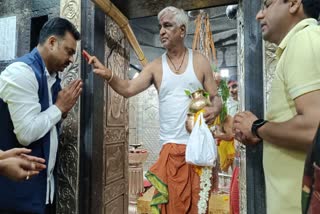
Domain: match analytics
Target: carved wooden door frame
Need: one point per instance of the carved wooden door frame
(251, 79)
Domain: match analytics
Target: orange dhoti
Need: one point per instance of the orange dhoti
(176, 182)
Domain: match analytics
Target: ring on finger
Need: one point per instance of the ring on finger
(28, 176)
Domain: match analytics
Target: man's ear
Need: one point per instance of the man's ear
(51, 41)
(295, 6)
(183, 30)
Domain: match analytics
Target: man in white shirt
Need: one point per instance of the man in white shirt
(31, 106)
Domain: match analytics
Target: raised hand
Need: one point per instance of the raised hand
(98, 67)
(68, 96)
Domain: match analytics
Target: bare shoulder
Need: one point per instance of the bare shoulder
(153, 66)
(201, 64)
(152, 72)
(200, 61)
(199, 57)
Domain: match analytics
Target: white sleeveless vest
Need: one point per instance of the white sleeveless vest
(174, 103)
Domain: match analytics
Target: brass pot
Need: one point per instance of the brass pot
(198, 101)
(190, 122)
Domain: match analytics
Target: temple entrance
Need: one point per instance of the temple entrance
(143, 108)
(97, 137)
(93, 164)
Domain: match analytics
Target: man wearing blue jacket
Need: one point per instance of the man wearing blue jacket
(31, 106)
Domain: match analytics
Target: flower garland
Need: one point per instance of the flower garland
(205, 186)
(204, 172)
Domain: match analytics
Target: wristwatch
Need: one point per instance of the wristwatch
(256, 125)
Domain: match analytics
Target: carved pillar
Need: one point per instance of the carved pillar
(116, 130)
(68, 156)
(270, 63)
(252, 98)
(242, 150)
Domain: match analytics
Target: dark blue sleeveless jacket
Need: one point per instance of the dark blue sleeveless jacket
(27, 196)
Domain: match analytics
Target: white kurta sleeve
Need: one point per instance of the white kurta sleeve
(19, 89)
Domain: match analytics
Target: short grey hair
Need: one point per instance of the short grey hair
(180, 17)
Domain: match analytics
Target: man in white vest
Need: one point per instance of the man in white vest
(176, 183)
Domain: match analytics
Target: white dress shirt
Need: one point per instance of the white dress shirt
(19, 89)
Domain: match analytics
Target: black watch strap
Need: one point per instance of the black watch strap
(256, 125)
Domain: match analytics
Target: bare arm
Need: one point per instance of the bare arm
(227, 133)
(126, 88)
(296, 133)
(202, 64)
(19, 89)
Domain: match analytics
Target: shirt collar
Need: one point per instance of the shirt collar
(298, 27)
(44, 64)
(54, 75)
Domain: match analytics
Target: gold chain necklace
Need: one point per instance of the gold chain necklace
(177, 70)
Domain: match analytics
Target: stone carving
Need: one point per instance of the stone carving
(113, 191)
(115, 61)
(241, 73)
(71, 11)
(115, 162)
(115, 135)
(67, 179)
(114, 32)
(116, 129)
(68, 156)
(270, 67)
(116, 206)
